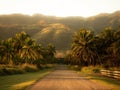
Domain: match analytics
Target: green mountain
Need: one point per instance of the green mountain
(56, 30)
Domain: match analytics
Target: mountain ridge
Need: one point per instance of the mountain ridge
(59, 30)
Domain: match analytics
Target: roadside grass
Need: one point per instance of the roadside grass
(21, 81)
(110, 82)
(93, 74)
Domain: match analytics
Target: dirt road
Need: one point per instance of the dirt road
(65, 79)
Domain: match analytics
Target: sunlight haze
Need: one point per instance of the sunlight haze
(60, 8)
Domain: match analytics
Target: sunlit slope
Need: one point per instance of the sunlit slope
(57, 33)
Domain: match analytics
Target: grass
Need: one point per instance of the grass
(93, 73)
(97, 77)
(112, 83)
(21, 81)
(19, 69)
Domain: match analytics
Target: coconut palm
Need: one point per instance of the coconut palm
(28, 54)
(7, 51)
(117, 42)
(116, 48)
(107, 46)
(83, 47)
(28, 51)
(41, 55)
(50, 51)
(19, 40)
(1, 52)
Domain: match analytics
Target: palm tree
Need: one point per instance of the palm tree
(117, 42)
(50, 51)
(107, 46)
(19, 41)
(28, 51)
(83, 47)
(28, 54)
(116, 48)
(1, 52)
(41, 55)
(40, 49)
(7, 51)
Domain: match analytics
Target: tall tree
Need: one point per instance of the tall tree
(28, 51)
(50, 51)
(83, 47)
(7, 51)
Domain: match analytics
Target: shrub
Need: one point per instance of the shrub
(2, 72)
(76, 67)
(10, 71)
(96, 70)
(30, 68)
(91, 69)
(49, 65)
(40, 66)
(18, 71)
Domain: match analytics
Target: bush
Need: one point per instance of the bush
(96, 70)
(11, 71)
(40, 66)
(91, 69)
(49, 65)
(30, 68)
(8, 71)
(18, 71)
(76, 67)
(2, 72)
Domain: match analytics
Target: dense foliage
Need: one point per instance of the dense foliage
(90, 49)
(21, 49)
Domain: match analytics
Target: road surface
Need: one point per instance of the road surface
(65, 79)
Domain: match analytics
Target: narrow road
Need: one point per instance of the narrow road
(65, 79)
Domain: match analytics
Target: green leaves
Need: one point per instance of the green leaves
(82, 46)
(100, 49)
(23, 49)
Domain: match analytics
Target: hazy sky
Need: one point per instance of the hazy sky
(83, 8)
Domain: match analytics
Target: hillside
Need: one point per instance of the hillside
(56, 30)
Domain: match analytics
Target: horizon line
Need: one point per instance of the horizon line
(62, 16)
